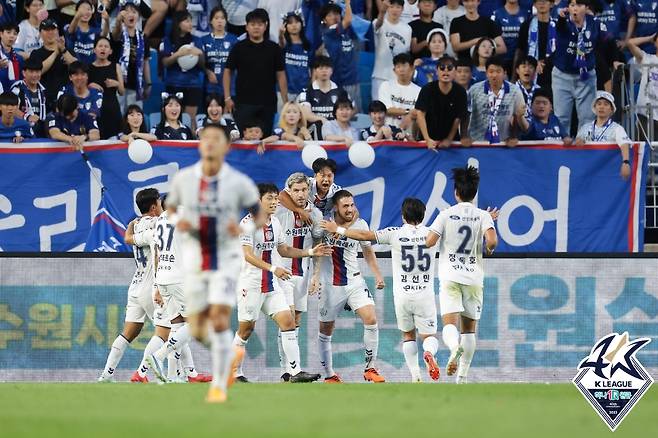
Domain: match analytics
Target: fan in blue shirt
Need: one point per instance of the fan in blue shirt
(543, 124)
(216, 46)
(646, 12)
(338, 39)
(90, 100)
(510, 18)
(12, 127)
(297, 54)
(437, 42)
(81, 34)
(11, 63)
(70, 125)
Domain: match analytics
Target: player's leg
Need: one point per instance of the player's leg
(423, 308)
(222, 353)
(406, 325)
(288, 289)
(195, 304)
(130, 331)
(473, 297)
(450, 301)
(332, 301)
(250, 303)
(242, 335)
(162, 325)
(360, 299)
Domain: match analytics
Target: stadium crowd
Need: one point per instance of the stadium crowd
(269, 70)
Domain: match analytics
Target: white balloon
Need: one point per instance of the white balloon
(188, 62)
(361, 154)
(311, 152)
(140, 151)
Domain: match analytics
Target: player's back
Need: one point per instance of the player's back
(168, 253)
(143, 255)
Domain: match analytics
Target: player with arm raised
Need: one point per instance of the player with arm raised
(413, 282)
(260, 291)
(344, 285)
(461, 230)
(212, 195)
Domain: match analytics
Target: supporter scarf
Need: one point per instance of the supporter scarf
(495, 100)
(124, 60)
(533, 38)
(604, 128)
(13, 67)
(29, 109)
(527, 96)
(580, 61)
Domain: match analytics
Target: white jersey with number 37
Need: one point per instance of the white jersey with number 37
(166, 243)
(461, 228)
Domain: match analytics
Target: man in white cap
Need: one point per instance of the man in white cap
(604, 129)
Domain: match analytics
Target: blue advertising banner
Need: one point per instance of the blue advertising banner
(551, 198)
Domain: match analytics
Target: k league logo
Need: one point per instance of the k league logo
(612, 379)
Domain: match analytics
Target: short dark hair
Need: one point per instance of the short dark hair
(496, 60)
(402, 58)
(81, 2)
(12, 25)
(33, 64)
(583, 2)
(66, 104)
(330, 7)
(526, 59)
(258, 14)
(29, 2)
(265, 188)
(462, 62)
(8, 98)
(224, 129)
(101, 38)
(341, 102)
(467, 180)
(397, 2)
(340, 194)
(78, 67)
(131, 109)
(542, 92)
(215, 10)
(163, 201)
(377, 106)
(321, 61)
(413, 211)
(323, 163)
(215, 96)
(251, 123)
(146, 198)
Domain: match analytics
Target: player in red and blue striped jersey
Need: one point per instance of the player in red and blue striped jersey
(259, 287)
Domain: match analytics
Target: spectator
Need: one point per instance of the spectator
(340, 129)
(179, 77)
(409, 11)
(55, 58)
(604, 129)
(643, 22)
(258, 62)
(574, 74)
(7, 13)
(198, 9)
(292, 125)
(11, 126)
(28, 35)
(277, 9)
(538, 38)
(317, 101)
(441, 107)
(481, 53)
(296, 54)
(216, 47)
(81, 35)
(421, 27)
(392, 37)
(400, 94)
(486, 8)
(426, 68)
(464, 73)
(647, 96)
(214, 115)
(614, 14)
(526, 69)
(11, 63)
(608, 55)
(70, 125)
(338, 39)
(171, 125)
(444, 16)
(379, 130)
(133, 54)
(254, 133)
(542, 123)
(106, 75)
(237, 11)
(32, 97)
(133, 125)
(156, 12)
(495, 106)
(466, 31)
(510, 18)
(90, 98)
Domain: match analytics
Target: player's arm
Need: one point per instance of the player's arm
(432, 238)
(363, 235)
(320, 250)
(371, 259)
(251, 258)
(490, 240)
(144, 238)
(314, 284)
(130, 232)
(286, 201)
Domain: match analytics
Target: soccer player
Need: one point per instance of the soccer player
(299, 235)
(413, 282)
(461, 229)
(345, 287)
(260, 291)
(211, 195)
(140, 293)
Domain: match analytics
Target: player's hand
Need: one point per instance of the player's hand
(233, 229)
(625, 171)
(282, 273)
(467, 142)
(157, 297)
(322, 249)
(305, 216)
(184, 225)
(315, 285)
(379, 282)
(329, 226)
(494, 212)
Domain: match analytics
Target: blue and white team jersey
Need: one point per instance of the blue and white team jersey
(13, 71)
(610, 132)
(564, 57)
(90, 105)
(29, 102)
(323, 204)
(80, 126)
(174, 75)
(20, 128)
(551, 130)
(426, 72)
(341, 48)
(614, 15)
(297, 61)
(264, 242)
(81, 44)
(165, 240)
(647, 21)
(342, 268)
(510, 26)
(144, 276)
(216, 52)
(299, 235)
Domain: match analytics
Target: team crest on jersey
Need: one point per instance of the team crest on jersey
(269, 235)
(612, 379)
(334, 98)
(298, 222)
(227, 44)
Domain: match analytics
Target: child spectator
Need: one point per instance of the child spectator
(466, 31)
(107, 75)
(133, 126)
(28, 34)
(510, 18)
(481, 53)
(292, 125)
(171, 123)
(252, 132)
(437, 41)
(421, 27)
(11, 63)
(400, 94)
(296, 54)
(32, 97)
(70, 125)
(444, 16)
(214, 115)
(538, 38)
(379, 130)
(12, 126)
(90, 99)
(464, 73)
(340, 129)
(216, 46)
(81, 35)
(525, 72)
(542, 123)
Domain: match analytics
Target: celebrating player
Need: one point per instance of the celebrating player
(260, 291)
(344, 285)
(461, 229)
(321, 190)
(212, 194)
(413, 277)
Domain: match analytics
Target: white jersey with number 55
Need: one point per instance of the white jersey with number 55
(412, 262)
(461, 229)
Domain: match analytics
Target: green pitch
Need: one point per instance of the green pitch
(312, 410)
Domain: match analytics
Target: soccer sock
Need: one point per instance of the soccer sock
(239, 342)
(371, 342)
(154, 344)
(282, 355)
(116, 353)
(410, 350)
(221, 357)
(172, 365)
(175, 342)
(451, 337)
(468, 344)
(291, 351)
(187, 361)
(324, 347)
(431, 344)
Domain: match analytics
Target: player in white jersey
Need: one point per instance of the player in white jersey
(298, 234)
(343, 285)
(462, 229)
(212, 195)
(260, 289)
(413, 282)
(321, 190)
(140, 303)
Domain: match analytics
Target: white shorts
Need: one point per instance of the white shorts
(296, 292)
(252, 301)
(460, 298)
(140, 306)
(416, 311)
(174, 299)
(210, 287)
(334, 298)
